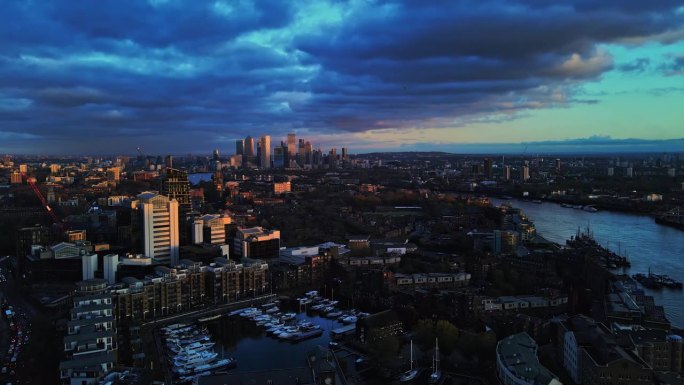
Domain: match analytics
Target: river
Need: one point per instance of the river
(646, 243)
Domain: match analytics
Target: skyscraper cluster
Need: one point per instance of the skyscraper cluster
(291, 153)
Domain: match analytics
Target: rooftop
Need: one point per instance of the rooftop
(518, 353)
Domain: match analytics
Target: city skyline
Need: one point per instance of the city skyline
(485, 78)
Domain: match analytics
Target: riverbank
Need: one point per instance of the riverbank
(647, 244)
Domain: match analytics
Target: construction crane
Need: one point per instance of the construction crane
(32, 182)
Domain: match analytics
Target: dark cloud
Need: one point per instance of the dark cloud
(636, 65)
(186, 76)
(674, 66)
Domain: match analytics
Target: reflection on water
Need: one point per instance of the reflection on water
(255, 350)
(646, 243)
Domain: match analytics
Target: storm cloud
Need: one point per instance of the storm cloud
(177, 76)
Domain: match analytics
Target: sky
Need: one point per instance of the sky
(175, 77)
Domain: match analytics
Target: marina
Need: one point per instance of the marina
(190, 353)
(287, 334)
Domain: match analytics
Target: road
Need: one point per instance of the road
(38, 359)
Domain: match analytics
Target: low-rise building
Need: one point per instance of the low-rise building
(591, 354)
(517, 362)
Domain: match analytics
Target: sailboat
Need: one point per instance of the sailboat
(436, 373)
(410, 374)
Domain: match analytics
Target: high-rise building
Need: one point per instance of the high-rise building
(256, 242)
(90, 343)
(197, 231)
(291, 148)
(175, 185)
(248, 149)
(111, 265)
(239, 147)
(301, 152)
(159, 216)
(525, 173)
(89, 266)
(169, 161)
(488, 168)
(558, 165)
(214, 229)
(279, 156)
(308, 153)
(507, 173)
(344, 153)
(265, 145)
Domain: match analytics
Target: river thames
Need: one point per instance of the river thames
(647, 244)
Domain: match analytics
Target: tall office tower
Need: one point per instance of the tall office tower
(525, 173)
(301, 152)
(159, 216)
(258, 152)
(344, 153)
(279, 156)
(488, 168)
(307, 153)
(558, 165)
(215, 155)
(317, 157)
(239, 147)
(291, 148)
(169, 161)
(248, 149)
(265, 159)
(507, 173)
(175, 185)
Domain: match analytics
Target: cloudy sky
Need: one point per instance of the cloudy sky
(177, 76)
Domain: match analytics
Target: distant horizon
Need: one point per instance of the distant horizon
(589, 146)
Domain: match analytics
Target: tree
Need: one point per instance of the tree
(384, 349)
(424, 332)
(448, 335)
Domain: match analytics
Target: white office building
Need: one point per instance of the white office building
(111, 264)
(89, 266)
(160, 227)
